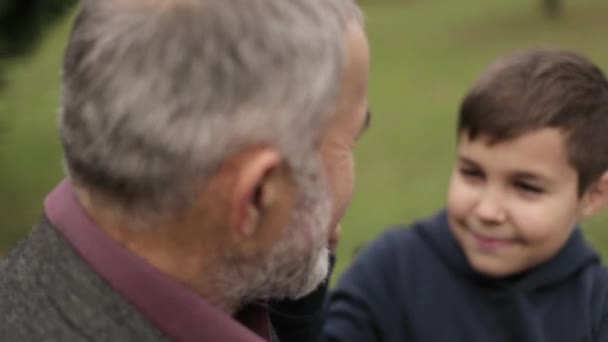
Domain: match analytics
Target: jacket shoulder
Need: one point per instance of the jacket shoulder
(47, 292)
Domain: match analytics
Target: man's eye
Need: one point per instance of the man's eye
(529, 188)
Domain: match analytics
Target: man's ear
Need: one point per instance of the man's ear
(262, 198)
(596, 197)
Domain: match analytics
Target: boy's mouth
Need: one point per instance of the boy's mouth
(490, 243)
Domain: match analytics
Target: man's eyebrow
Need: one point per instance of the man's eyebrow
(366, 123)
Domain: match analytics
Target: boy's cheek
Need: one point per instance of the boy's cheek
(533, 232)
(461, 198)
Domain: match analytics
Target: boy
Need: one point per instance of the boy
(505, 261)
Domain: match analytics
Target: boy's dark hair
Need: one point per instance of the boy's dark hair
(543, 88)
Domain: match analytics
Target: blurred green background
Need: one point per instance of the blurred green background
(425, 54)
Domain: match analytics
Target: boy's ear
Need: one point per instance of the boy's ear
(596, 197)
(262, 199)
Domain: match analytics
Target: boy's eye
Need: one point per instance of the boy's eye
(529, 188)
(471, 173)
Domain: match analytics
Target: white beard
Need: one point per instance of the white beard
(296, 265)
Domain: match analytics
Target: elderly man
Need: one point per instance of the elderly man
(208, 146)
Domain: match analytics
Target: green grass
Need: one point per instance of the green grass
(425, 54)
(29, 146)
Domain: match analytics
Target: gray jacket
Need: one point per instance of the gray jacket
(48, 293)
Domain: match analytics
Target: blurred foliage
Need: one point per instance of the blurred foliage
(29, 148)
(23, 22)
(22, 26)
(552, 7)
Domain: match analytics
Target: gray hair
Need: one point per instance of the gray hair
(156, 94)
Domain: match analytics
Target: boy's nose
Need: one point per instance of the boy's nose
(489, 208)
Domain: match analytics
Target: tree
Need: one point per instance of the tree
(22, 24)
(552, 7)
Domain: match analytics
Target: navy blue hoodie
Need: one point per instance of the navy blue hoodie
(415, 285)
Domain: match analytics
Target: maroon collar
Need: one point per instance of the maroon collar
(174, 309)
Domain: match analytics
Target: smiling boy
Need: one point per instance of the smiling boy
(506, 260)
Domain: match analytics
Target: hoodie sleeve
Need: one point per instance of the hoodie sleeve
(301, 320)
(602, 333)
(362, 307)
(600, 299)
